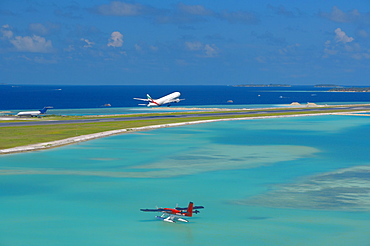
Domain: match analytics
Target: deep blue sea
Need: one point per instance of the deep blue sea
(279, 181)
(73, 97)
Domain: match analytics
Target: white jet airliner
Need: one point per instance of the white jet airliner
(34, 113)
(171, 98)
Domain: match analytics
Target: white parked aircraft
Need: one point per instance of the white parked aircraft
(34, 113)
(170, 98)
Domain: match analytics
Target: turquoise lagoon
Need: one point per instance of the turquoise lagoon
(282, 181)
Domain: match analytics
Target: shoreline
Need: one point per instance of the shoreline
(83, 138)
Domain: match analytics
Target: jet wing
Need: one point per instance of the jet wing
(174, 100)
(142, 99)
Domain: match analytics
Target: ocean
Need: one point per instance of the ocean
(76, 97)
(281, 181)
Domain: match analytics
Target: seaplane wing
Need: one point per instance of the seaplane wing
(170, 98)
(194, 207)
(156, 210)
(175, 214)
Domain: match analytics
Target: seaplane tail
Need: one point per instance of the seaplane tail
(189, 212)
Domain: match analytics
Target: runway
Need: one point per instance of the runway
(192, 115)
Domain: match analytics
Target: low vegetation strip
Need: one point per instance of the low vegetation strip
(26, 135)
(26, 138)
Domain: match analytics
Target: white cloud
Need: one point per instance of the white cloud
(153, 48)
(69, 48)
(193, 45)
(88, 43)
(178, 14)
(210, 50)
(342, 37)
(281, 10)
(363, 33)
(144, 48)
(121, 9)
(330, 49)
(345, 47)
(43, 29)
(260, 59)
(194, 9)
(290, 49)
(239, 16)
(181, 62)
(340, 16)
(32, 44)
(336, 15)
(116, 39)
(7, 33)
(38, 28)
(138, 47)
(42, 60)
(329, 52)
(207, 50)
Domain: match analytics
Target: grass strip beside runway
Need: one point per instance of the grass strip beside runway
(26, 135)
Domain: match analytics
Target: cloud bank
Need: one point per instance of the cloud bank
(34, 43)
(179, 14)
(353, 16)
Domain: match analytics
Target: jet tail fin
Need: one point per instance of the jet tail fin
(189, 211)
(152, 102)
(43, 111)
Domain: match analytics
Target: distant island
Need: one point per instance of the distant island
(263, 85)
(352, 89)
(328, 86)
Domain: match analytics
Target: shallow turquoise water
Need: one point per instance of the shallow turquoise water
(286, 181)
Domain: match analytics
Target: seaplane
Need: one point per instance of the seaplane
(168, 99)
(34, 113)
(175, 214)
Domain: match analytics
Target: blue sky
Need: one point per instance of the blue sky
(186, 43)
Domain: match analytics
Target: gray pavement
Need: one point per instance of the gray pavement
(185, 115)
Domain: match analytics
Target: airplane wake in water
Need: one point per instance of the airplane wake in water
(175, 214)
